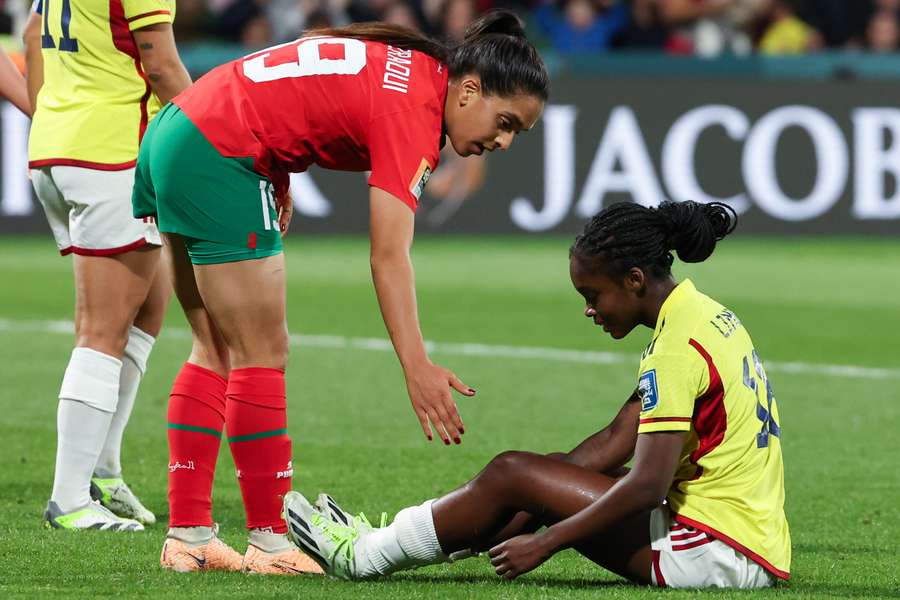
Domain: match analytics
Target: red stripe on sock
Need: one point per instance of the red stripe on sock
(197, 400)
(256, 404)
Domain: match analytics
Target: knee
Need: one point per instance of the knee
(505, 466)
(277, 349)
(151, 315)
(102, 338)
(270, 350)
(509, 461)
(211, 357)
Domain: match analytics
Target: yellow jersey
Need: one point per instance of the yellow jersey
(95, 101)
(701, 374)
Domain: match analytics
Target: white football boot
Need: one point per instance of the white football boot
(92, 516)
(115, 495)
(333, 545)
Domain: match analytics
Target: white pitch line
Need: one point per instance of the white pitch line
(485, 350)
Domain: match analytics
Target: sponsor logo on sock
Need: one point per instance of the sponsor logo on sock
(177, 465)
(287, 473)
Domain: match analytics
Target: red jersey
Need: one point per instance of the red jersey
(339, 103)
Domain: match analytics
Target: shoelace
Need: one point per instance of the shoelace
(364, 521)
(345, 536)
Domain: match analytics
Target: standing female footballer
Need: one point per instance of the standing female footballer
(702, 505)
(96, 72)
(213, 168)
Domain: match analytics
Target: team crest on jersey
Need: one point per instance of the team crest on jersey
(423, 174)
(648, 391)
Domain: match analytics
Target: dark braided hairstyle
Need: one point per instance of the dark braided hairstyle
(626, 235)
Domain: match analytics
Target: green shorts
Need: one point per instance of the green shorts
(224, 210)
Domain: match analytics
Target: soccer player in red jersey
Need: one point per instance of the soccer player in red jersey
(702, 505)
(213, 169)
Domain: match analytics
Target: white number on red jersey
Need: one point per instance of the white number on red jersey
(312, 59)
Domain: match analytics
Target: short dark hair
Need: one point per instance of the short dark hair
(627, 235)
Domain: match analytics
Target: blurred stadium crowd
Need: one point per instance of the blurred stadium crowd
(678, 27)
(683, 27)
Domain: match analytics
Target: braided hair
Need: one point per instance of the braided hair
(626, 235)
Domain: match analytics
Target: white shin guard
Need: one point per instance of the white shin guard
(134, 365)
(87, 400)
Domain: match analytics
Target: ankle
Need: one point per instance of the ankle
(101, 473)
(268, 541)
(192, 536)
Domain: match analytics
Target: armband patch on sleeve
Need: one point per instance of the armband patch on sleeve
(648, 391)
(423, 174)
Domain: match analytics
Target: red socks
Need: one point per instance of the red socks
(256, 418)
(196, 416)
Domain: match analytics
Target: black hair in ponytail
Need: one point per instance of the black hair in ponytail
(627, 235)
(495, 48)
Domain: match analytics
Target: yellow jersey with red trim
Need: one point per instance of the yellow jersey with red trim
(95, 101)
(701, 374)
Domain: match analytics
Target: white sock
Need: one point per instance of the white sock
(134, 365)
(87, 401)
(267, 541)
(192, 536)
(409, 542)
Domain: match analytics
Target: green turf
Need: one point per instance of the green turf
(820, 302)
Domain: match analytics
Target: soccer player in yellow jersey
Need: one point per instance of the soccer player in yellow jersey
(97, 72)
(702, 505)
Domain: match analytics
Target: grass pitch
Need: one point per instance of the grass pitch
(811, 307)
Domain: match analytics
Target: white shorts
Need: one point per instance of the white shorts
(684, 557)
(89, 210)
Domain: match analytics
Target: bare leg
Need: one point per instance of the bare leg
(247, 302)
(109, 290)
(550, 490)
(523, 522)
(208, 349)
(141, 337)
(198, 401)
(152, 312)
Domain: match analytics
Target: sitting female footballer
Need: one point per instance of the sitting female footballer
(702, 505)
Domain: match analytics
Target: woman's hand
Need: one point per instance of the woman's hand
(429, 391)
(284, 206)
(519, 555)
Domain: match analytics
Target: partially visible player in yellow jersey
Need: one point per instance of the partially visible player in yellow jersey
(702, 505)
(97, 71)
